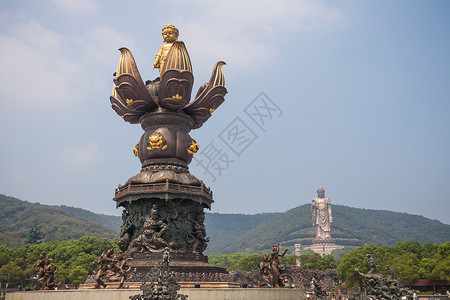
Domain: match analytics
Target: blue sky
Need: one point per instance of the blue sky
(361, 91)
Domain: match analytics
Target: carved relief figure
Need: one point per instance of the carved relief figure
(46, 272)
(103, 261)
(321, 215)
(317, 288)
(372, 263)
(120, 269)
(160, 283)
(265, 272)
(170, 34)
(126, 230)
(378, 286)
(41, 266)
(112, 268)
(151, 237)
(199, 234)
(275, 263)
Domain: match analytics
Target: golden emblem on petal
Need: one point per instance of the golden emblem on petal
(129, 101)
(157, 141)
(177, 97)
(193, 147)
(135, 150)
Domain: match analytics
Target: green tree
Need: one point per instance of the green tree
(442, 270)
(73, 259)
(288, 260)
(355, 259)
(426, 267)
(13, 272)
(310, 261)
(429, 250)
(327, 262)
(249, 263)
(408, 247)
(77, 275)
(406, 267)
(5, 255)
(444, 249)
(317, 262)
(339, 253)
(35, 236)
(227, 261)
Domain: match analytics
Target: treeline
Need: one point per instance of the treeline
(74, 260)
(246, 263)
(409, 260)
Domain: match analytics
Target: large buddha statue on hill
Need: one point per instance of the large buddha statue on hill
(321, 215)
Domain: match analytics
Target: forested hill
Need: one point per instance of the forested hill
(351, 227)
(224, 229)
(229, 233)
(55, 223)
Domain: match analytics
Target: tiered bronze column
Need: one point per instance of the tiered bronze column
(164, 204)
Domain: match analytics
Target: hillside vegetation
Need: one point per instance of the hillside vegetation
(351, 227)
(18, 218)
(229, 233)
(223, 229)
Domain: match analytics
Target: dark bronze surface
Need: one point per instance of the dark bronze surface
(377, 286)
(112, 269)
(269, 268)
(164, 204)
(160, 282)
(46, 275)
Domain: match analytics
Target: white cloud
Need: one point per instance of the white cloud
(253, 32)
(34, 69)
(76, 6)
(101, 44)
(47, 70)
(81, 158)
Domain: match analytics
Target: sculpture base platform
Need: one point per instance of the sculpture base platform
(323, 248)
(188, 268)
(183, 285)
(193, 294)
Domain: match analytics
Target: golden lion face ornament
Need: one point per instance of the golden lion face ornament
(157, 141)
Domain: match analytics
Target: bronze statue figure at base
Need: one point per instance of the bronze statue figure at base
(269, 269)
(46, 275)
(377, 286)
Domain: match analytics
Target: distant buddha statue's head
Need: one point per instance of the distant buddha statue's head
(170, 33)
(320, 192)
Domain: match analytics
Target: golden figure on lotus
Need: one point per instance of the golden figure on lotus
(132, 98)
(170, 94)
(170, 35)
